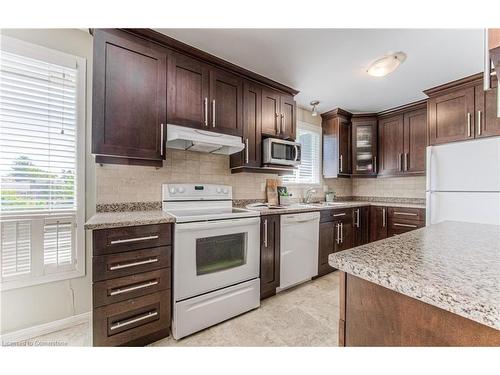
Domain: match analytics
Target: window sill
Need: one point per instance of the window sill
(34, 281)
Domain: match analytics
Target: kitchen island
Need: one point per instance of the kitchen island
(436, 286)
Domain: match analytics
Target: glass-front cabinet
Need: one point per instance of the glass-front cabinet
(364, 145)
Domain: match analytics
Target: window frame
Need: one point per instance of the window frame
(39, 274)
(317, 129)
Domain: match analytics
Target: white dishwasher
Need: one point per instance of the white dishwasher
(299, 237)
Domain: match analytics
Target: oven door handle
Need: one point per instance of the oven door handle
(217, 224)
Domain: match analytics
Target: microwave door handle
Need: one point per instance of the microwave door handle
(296, 152)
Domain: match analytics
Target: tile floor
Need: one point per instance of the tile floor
(306, 315)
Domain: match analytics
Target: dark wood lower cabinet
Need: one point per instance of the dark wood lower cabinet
(371, 315)
(326, 247)
(269, 255)
(131, 285)
(378, 223)
(361, 225)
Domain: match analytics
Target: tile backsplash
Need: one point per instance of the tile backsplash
(401, 187)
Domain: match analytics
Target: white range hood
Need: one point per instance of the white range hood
(183, 138)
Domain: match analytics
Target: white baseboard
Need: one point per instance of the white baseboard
(43, 329)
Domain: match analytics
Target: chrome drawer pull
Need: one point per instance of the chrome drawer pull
(127, 265)
(134, 239)
(341, 214)
(405, 213)
(135, 320)
(405, 225)
(115, 292)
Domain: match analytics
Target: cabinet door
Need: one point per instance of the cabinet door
(344, 147)
(226, 101)
(188, 82)
(327, 238)
(269, 255)
(252, 127)
(361, 225)
(378, 223)
(270, 112)
(343, 235)
(364, 146)
(391, 130)
(129, 96)
(288, 120)
(451, 116)
(415, 141)
(487, 122)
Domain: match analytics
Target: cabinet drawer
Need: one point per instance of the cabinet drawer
(115, 240)
(123, 322)
(123, 288)
(111, 266)
(414, 214)
(398, 226)
(344, 214)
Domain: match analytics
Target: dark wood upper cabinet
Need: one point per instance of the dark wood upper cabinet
(188, 92)
(269, 255)
(487, 122)
(364, 145)
(252, 127)
(378, 223)
(415, 141)
(279, 114)
(288, 121)
(226, 100)
(391, 136)
(129, 98)
(336, 127)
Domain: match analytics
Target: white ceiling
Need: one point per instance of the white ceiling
(330, 64)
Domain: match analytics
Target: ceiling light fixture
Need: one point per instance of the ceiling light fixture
(386, 64)
(314, 103)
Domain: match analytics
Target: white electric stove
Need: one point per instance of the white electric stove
(216, 256)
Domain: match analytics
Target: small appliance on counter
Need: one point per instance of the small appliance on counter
(280, 152)
(216, 256)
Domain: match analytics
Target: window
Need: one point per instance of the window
(308, 173)
(42, 95)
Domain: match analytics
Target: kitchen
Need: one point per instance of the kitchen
(222, 208)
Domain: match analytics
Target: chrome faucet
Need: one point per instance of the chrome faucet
(309, 193)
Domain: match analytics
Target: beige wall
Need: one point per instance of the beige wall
(30, 306)
(401, 187)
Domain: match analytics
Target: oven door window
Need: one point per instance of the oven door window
(219, 253)
(280, 151)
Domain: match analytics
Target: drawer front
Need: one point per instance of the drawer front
(123, 322)
(343, 214)
(115, 240)
(414, 214)
(105, 267)
(399, 226)
(123, 288)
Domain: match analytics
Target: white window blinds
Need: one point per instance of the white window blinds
(41, 105)
(37, 135)
(308, 172)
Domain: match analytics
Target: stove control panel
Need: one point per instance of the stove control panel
(196, 192)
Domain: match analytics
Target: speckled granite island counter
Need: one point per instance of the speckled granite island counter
(435, 286)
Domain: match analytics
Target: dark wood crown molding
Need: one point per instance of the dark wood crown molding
(404, 108)
(336, 112)
(453, 85)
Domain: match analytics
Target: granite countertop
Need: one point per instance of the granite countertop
(452, 265)
(103, 220)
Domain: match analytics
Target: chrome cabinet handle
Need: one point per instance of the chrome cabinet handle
(406, 161)
(375, 164)
(213, 113)
(405, 225)
(246, 151)
(468, 125)
(400, 163)
(340, 214)
(383, 217)
(281, 123)
(338, 234)
(265, 232)
(134, 239)
(278, 128)
(119, 266)
(206, 111)
(341, 232)
(161, 139)
(341, 164)
(124, 323)
(405, 213)
(478, 122)
(118, 291)
(357, 218)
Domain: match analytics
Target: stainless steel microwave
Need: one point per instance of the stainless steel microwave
(280, 152)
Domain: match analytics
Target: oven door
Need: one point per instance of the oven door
(215, 254)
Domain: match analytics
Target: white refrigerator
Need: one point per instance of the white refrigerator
(463, 182)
